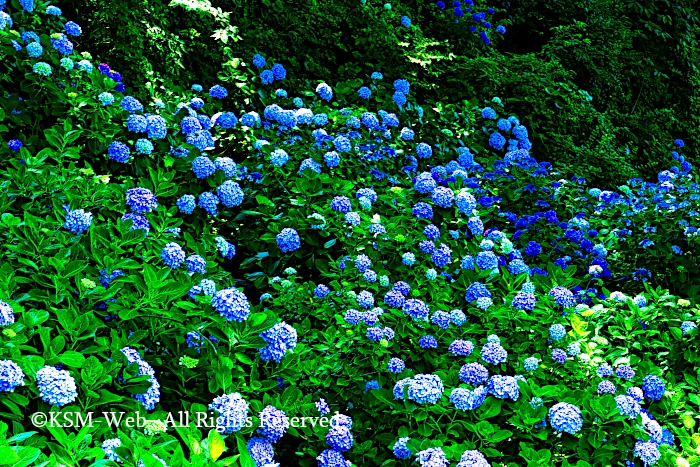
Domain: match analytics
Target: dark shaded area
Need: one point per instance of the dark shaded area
(603, 86)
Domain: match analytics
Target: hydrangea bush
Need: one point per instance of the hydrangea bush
(336, 251)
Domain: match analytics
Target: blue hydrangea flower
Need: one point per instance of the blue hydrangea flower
(688, 326)
(288, 240)
(461, 348)
(78, 221)
(531, 363)
(488, 113)
(106, 99)
(143, 146)
(230, 194)
(342, 144)
(131, 104)
(443, 197)
(201, 140)
(604, 370)
(476, 226)
(7, 316)
(407, 134)
(624, 372)
(559, 356)
(627, 405)
(332, 159)
(172, 255)
(475, 291)
(331, 458)
(524, 301)
(427, 342)
(557, 332)
(279, 72)
(401, 450)
(496, 140)
(365, 299)
(231, 304)
(648, 452)
(653, 387)
(636, 393)
(309, 164)
(422, 211)
(417, 309)
(209, 202)
(232, 411)
(258, 61)
(566, 418)
(606, 387)
(484, 303)
(42, 69)
(56, 387)
(466, 203)
(324, 91)
(458, 317)
(261, 451)
(11, 376)
(280, 338)
(62, 44)
(266, 77)
(34, 49)
(464, 399)
(425, 389)
(406, 21)
(227, 120)
(139, 221)
(72, 29)
(141, 200)
(563, 297)
(218, 92)
(196, 264)
(503, 387)
(109, 445)
(487, 260)
(493, 353)
(396, 365)
(250, 119)
(402, 85)
(321, 291)
(399, 98)
(190, 125)
(573, 349)
(137, 123)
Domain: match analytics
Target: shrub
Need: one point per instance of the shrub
(236, 283)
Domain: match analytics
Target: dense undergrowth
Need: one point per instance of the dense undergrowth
(271, 246)
(601, 85)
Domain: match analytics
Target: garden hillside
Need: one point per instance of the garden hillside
(442, 235)
(602, 84)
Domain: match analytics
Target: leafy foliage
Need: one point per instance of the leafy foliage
(256, 253)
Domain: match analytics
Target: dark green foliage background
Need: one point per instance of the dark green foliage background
(605, 83)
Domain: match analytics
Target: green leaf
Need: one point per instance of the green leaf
(263, 200)
(500, 435)
(72, 358)
(8, 455)
(216, 445)
(290, 396)
(73, 268)
(245, 459)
